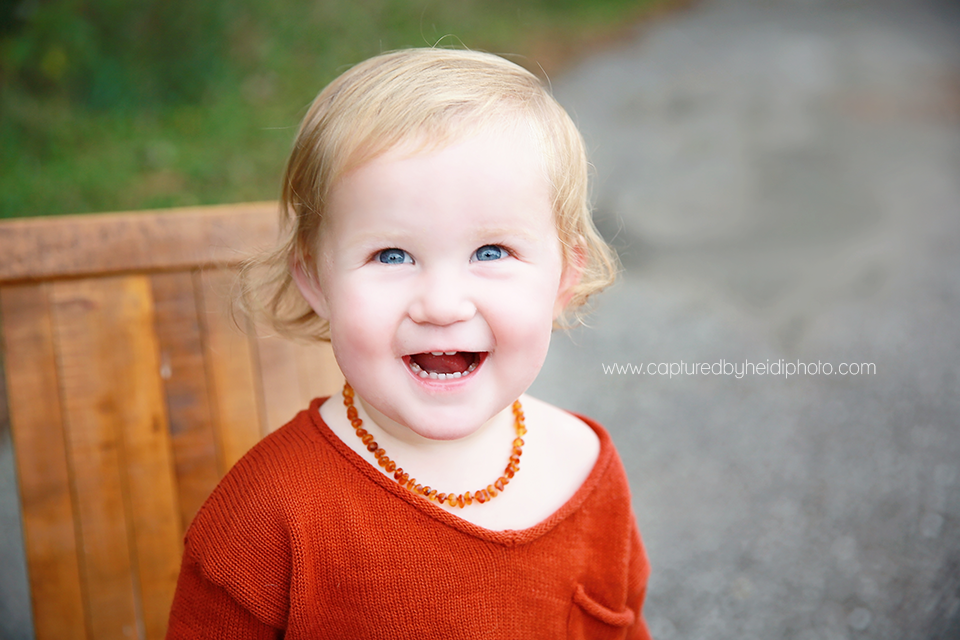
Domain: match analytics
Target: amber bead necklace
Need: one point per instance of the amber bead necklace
(404, 479)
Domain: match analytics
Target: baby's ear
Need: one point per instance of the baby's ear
(570, 277)
(308, 282)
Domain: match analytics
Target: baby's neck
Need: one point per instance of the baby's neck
(456, 465)
(559, 454)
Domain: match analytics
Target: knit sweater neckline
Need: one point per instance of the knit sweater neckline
(505, 537)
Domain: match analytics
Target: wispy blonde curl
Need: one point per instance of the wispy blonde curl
(436, 95)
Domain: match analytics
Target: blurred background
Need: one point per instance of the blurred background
(781, 179)
(108, 105)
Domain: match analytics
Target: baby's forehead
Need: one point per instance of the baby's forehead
(492, 179)
(507, 133)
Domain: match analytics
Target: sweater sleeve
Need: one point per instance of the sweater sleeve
(236, 571)
(639, 574)
(202, 609)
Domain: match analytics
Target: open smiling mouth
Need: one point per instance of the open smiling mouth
(444, 365)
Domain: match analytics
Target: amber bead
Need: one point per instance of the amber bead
(404, 479)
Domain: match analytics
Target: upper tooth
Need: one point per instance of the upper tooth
(449, 353)
(436, 353)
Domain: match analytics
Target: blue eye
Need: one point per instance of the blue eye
(394, 256)
(489, 252)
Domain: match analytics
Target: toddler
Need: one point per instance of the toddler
(436, 230)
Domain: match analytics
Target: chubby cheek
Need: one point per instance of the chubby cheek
(361, 330)
(524, 326)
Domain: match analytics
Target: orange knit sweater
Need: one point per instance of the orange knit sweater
(305, 539)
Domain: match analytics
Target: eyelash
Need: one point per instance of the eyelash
(381, 256)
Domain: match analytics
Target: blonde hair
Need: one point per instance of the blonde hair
(437, 95)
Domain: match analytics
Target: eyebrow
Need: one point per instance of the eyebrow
(508, 231)
(390, 236)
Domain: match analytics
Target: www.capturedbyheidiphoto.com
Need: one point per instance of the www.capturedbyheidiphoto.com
(740, 369)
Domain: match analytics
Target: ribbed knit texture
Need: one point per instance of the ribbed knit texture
(305, 539)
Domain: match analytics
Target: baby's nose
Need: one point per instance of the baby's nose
(443, 299)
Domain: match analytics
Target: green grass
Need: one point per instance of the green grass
(174, 105)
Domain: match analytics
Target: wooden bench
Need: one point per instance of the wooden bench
(131, 391)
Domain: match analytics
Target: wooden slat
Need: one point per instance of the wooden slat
(94, 445)
(232, 368)
(53, 247)
(280, 378)
(118, 441)
(43, 475)
(319, 373)
(293, 374)
(182, 369)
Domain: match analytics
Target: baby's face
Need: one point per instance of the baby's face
(441, 274)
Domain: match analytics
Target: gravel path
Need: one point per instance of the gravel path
(782, 179)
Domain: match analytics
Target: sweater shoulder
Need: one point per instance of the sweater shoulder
(242, 537)
(269, 475)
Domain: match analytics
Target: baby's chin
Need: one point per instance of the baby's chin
(441, 431)
(442, 424)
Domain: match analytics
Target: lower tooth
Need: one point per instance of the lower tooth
(456, 374)
(434, 375)
(423, 374)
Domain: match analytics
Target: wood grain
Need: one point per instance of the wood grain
(71, 246)
(49, 525)
(319, 374)
(280, 380)
(231, 365)
(119, 446)
(184, 375)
